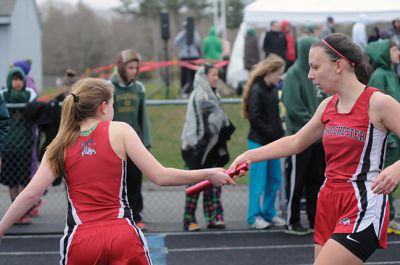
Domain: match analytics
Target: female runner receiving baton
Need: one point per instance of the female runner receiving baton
(90, 151)
(352, 209)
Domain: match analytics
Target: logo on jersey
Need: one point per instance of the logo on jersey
(88, 151)
(345, 131)
(345, 221)
(87, 147)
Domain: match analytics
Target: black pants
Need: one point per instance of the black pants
(304, 172)
(187, 76)
(134, 186)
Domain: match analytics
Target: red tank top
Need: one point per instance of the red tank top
(96, 179)
(354, 148)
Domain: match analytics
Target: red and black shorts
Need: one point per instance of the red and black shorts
(352, 215)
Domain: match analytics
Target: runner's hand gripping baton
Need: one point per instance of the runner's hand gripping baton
(205, 184)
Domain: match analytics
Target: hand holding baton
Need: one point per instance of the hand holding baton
(206, 184)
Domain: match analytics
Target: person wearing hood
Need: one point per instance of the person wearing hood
(130, 107)
(188, 42)
(394, 35)
(25, 65)
(212, 45)
(290, 41)
(359, 32)
(204, 137)
(385, 55)
(251, 54)
(17, 155)
(306, 169)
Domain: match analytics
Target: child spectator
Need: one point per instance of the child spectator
(17, 156)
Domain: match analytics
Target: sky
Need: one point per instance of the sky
(95, 4)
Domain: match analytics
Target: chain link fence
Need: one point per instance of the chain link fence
(163, 206)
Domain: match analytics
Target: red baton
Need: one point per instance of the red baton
(206, 184)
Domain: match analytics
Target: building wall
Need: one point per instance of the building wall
(25, 39)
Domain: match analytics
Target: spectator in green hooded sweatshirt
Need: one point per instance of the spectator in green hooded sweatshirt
(17, 153)
(306, 169)
(385, 55)
(212, 45)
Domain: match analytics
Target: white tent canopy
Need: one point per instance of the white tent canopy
(261, 12)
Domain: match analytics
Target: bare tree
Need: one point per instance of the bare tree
(76, 40)
(78, 37)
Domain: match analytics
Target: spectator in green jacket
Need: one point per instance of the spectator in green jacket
(212, 45)
(306, 169)
(130, 107)
(385, 55)
(17, 153)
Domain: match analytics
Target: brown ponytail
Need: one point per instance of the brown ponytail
(83, 102)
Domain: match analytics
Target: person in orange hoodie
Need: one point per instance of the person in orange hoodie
(291, 48)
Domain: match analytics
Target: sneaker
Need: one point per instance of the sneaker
(260, 224)
(217, 225)
(278, 221)
(142, 226)
(192, 227)
(24, 220)
(297, 229)
(394, 227)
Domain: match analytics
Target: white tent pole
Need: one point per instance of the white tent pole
(223, 19)
(215, 11)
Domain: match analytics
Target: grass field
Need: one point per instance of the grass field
(167, 122)
(166, 126)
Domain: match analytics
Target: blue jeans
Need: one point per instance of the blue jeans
(265, 180)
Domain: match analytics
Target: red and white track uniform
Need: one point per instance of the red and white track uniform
(99, 227)
(355, 152)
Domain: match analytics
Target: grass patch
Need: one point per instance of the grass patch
(167, 123)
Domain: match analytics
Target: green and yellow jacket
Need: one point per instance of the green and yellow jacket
(130, 107)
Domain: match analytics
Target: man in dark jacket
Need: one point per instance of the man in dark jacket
(275, 41)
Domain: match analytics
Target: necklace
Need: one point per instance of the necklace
(90, 130)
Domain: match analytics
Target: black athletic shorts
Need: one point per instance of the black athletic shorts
(361, 244)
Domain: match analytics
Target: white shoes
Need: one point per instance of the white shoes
(260, 224)
(278, 221)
